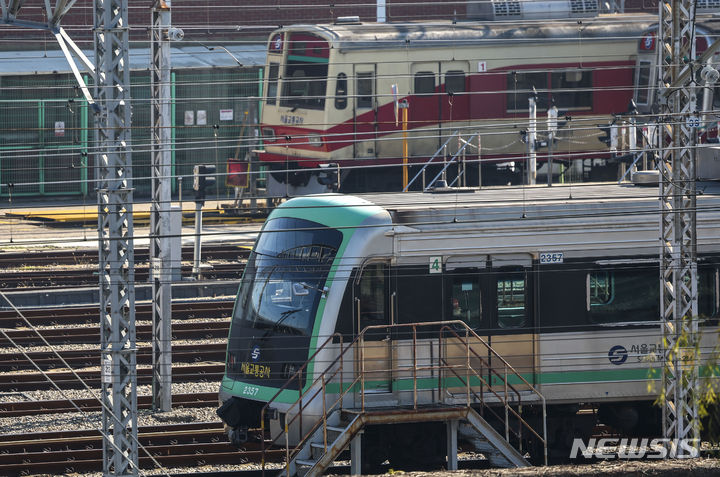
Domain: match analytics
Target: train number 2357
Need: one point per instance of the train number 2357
(551, 257)
(250, 390)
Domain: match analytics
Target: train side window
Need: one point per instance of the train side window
(511, 290)
(623, 295)
(572, 89)
(424, 82)
(708, 291)
(341, 91)
(519, 87)
(364, 90)
(600, 288)
(642, 89)
(455, 81)
(466, 300)
(272, 83)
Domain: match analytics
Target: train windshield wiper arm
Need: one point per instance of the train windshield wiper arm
(283, 316)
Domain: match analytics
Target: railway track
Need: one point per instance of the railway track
(88, 276)
(91, 335)
(31, 408)
(56, 257)
(89, 314)
(49, 269)
(27, 381)
(47, 360)
(179, 445)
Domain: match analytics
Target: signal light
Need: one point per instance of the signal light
(203, 179)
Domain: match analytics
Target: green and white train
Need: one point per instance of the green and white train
(562, 282)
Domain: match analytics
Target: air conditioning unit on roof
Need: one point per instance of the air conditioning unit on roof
(498, 10)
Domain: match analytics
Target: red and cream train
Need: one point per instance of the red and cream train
(333, 97)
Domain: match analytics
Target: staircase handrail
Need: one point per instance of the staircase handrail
(492, 370)
(311, 391)
(452, 160)
(405, 189)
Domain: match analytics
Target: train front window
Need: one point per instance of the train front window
(286, 275)
(305, 76)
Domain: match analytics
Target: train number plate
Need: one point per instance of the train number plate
(551, 257)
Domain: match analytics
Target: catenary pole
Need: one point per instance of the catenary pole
(115, 242)
(678, 250)
(160, 209)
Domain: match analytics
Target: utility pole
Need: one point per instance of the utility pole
(161, 271)
(678, 251)
(532, 139)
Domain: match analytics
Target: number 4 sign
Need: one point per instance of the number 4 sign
(435, 264)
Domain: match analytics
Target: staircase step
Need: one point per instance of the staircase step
(305, 462)
(336, 429)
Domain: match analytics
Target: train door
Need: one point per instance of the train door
(365, 111)
(467, 299)
(512, 314)
(373, 306)
(424, 114)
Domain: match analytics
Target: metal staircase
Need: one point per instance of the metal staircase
(458, 157)
(468, 393)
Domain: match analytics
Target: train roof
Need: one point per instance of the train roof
(395, 35)
(531, 204)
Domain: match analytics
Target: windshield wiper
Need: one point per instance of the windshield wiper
(283, 316)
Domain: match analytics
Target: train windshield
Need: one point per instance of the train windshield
(286, 276)
(305, 78)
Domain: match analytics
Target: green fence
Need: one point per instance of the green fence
(45, 140)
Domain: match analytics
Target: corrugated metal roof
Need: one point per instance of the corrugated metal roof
(190, 56)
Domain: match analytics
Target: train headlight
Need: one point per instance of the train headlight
(314, 140)
(268, 134)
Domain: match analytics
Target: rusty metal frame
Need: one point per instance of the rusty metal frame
(510, 397)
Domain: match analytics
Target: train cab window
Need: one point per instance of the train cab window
(341, 91)
(511, 291)
(519, 87)
(466, 300)
(424, 82)
(304, 85)
(364, 90)
(642, 85)
(572, 89)
(623, 295)
(272, 83)
(455, 81)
